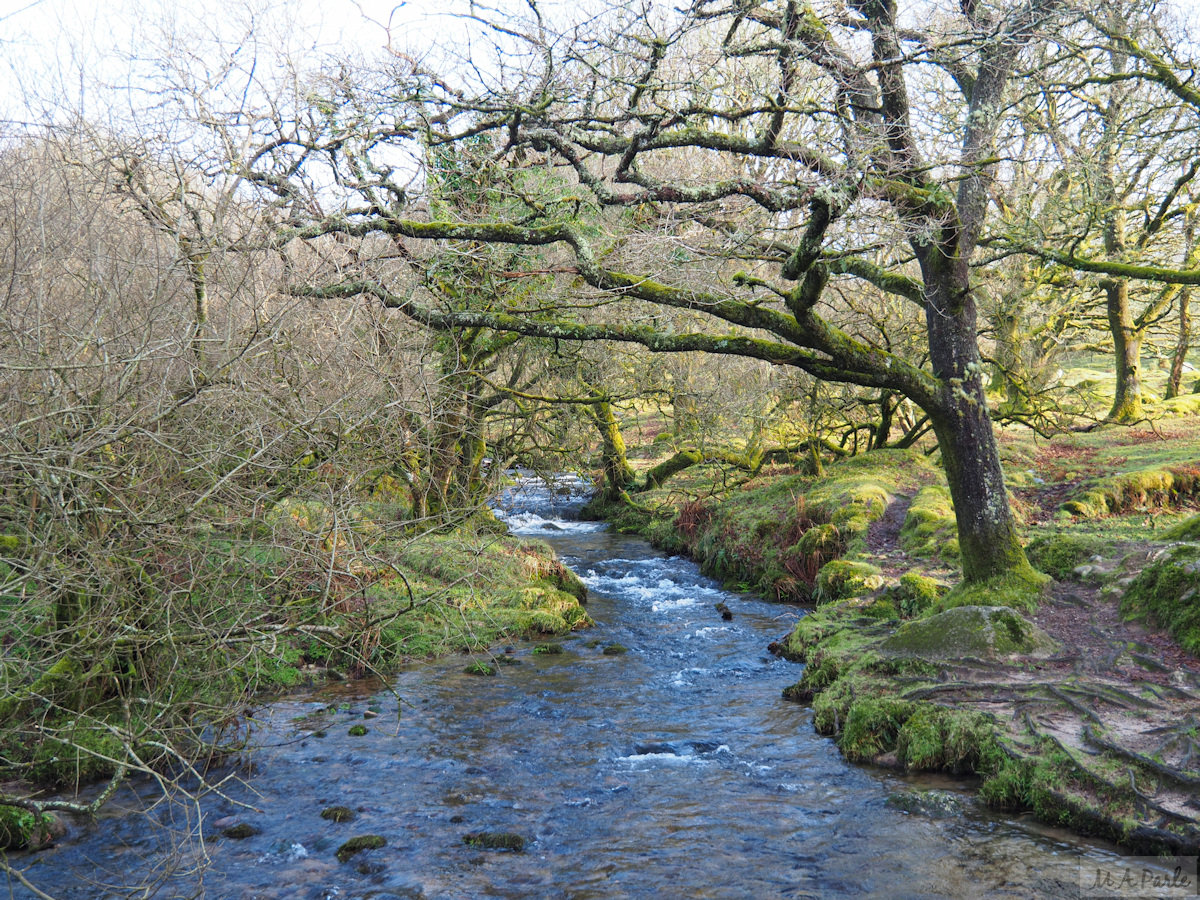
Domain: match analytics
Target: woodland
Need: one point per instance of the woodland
(275, 329)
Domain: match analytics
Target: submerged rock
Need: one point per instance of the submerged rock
(934, 804)
(337, 813)
(240, 831)
(615, 650)
(359, 844)
(495, 840)
(978, 631)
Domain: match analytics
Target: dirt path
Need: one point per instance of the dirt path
(1121, 699)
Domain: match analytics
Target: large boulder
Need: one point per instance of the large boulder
(974, 631)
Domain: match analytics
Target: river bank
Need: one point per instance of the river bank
(1070, 702)
(675, 768)
(274, 617)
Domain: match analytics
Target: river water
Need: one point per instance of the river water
(672, 770)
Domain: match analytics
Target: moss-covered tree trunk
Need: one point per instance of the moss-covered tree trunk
(618, 475)
(1127, 345)
(987, 533)
(1183, 342)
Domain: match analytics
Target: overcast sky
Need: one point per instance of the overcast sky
(59, 51)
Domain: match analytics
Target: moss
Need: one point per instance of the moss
(1022, 588)
(10, 544)
(475, 668)
(337, 813)
(825, 540)
(937, 738)
(357, 730)
(358, 844)
(615, 650)
(842, 578)
(495, 840)
(22, 829)
(1187, 530)
(873, 726)
(1167, 593)
(968, 631)
(548, 649)
(1089, 505)
(1059, 555)
(916, 593)
(930, 529)
(78, 755)
(1153, 486)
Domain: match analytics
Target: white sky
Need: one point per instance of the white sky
(57, 52)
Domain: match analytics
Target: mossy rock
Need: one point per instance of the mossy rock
(915, 593)
(1167, 594)
(930, 528)
(844, 578)
(937, 738)
(969, 631)
(873, 726)
(358, 844)
(357, 730)
(337, 813)
(548, 649)
(495, 840)
(1187, 530)
(22, 829)
(615, 650)
(1022, 588)
(240, 831)
(1060, 554)
(1088, 505)
(86, 755)
(481, 669)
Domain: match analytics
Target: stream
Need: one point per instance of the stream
(672, 770)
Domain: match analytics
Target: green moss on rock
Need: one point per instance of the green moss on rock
(1167, 594)
(872, 727)
(1021, 588)
(337, 813)
(358, 844)
(495, 840)
(969, 631)
(930, 529)
(915, 593)
(844, 578)
(1060, 554)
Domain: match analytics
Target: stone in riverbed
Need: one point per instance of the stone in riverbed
(337, 813)
(240, 831)
(359, 844)
(495, 840)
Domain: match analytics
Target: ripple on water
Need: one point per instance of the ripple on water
(674, 771)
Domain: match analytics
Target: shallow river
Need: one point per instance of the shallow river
(672, 770)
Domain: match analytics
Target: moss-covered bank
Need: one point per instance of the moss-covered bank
(91, 708)
(907, 670)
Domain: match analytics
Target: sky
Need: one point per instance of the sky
(65, 51)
